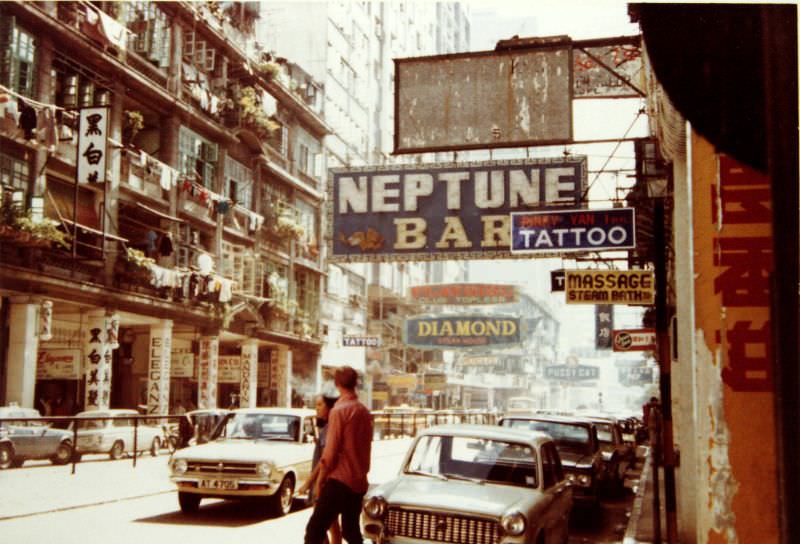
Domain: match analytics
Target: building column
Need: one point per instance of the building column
(159, 368)
(23, 345)
(249, 379)
(97, 352)
(280, 375)
(207, 363)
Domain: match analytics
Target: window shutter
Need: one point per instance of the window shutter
(261, 271)
(238, 267)
(7, 23)
(188, 46)
(247, 286)
(208, 62)
(227, 260)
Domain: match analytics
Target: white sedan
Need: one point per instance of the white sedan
(480, 484)
(116, 436)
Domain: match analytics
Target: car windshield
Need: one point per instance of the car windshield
(255, 426)
(475, 459)
(566, 435)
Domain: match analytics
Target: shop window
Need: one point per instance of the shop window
(198, 157)
(17, 57)
(150, 31)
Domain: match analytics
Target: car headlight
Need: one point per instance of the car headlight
(584, 480)
(264, 469)
(513, 523)
(180, 466)
(376, 507)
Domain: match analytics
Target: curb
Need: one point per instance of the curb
(636, 510)
(86, 505)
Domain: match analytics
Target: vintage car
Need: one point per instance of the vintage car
(205, 422)
(618, 455)
(257, 453)
(115, 436)
(31, 439)
(578, 448)
(473, 483)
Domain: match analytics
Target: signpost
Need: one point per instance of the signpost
(462, 331)
(573, 230)
(443, 211)
(635, 287)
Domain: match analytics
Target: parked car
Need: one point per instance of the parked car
(578, 447)
(256, 453)
(26, 440)
(618, 455)
(115, 436)
(473, 483)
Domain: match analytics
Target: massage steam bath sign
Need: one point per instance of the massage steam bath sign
(444, 211)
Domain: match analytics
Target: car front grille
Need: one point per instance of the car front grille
(221, 467)
(442, 527)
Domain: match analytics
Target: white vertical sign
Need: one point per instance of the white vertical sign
(249, 376)
(207, 372)
(92, 145)
(97, 357)
(159, 369)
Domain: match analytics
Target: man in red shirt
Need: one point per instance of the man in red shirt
(342, 480)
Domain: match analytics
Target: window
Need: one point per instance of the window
(17, 57)
(150, 31)
(13, 173)
(198, 157)
(308, 220)
(307, 295)
(239, 183)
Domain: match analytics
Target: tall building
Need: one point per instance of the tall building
(170, 252)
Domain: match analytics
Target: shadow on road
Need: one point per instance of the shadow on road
(221, 513)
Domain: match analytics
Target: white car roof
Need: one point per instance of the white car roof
(108, 413)
(492, 432)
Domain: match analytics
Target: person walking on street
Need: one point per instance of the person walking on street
(323, 405)
(342, 479)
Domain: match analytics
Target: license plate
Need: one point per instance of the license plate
(219, 484)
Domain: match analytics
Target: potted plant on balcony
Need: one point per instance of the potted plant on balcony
(44, 233)
(287, 226)
(134, 122)
(253, 113)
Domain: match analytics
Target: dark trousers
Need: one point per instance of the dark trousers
(335, 498)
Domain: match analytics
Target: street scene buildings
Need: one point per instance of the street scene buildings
(210, 208)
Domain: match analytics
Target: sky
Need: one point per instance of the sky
(595, 119)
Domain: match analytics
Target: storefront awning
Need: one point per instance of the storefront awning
(158, 213)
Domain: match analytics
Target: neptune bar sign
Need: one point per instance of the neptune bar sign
(461, 331)
(443, 211)
(573, 230)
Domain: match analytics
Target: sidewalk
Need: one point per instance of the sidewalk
(640, 526)
(37, 488)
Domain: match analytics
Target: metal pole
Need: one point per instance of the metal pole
(74, 443)
(135, 439)
(654, 418)
(665, 358)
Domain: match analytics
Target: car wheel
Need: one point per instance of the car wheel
(189, 502)
(155, 446)
(281, 502)
(6, 456)
(117, 450)
(62, 454)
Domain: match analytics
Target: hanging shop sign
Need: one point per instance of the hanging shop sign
(635, 287)
(635, 375)
(461, 331)
(406, 382)
(573, 230)
(181, 362)
(449, 102)
(92, 145)
(482, 360)
(557, 279)
(603, 325)
(443, 211)
(611, 69)
(361, 341)
(434, 382)
(572, 373)
(464, 293)
(229, 369)
(58, 364)
(634, 340)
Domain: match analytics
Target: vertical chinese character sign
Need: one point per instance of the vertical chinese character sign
(92, 145)
(208, 361)
(603, 325)
(98, 353)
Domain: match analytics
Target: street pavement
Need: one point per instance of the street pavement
(112, 501)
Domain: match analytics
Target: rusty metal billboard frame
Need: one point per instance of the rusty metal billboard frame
(511, 48)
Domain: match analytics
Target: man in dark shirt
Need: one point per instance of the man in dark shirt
(342, 480)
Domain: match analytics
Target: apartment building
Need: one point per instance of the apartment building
(192, 274)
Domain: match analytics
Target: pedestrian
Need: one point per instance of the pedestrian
(342, 480)
(323, 405)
